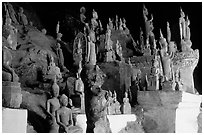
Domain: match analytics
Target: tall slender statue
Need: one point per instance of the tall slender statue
(168, 33)
(52, 106)
(165, 58)
(188, 32)
(116, 22)
(57, 27)
(94, 22)
(182, 24)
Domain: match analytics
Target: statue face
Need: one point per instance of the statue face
(56, 92)
(64, 100)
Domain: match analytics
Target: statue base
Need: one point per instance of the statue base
(11, 94)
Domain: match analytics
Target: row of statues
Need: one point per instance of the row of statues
(60, 116)
(114, 107)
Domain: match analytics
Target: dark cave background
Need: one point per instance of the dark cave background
(46, 14)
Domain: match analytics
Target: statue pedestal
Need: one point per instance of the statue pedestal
(14, 120)
(187, 113)
(11, 94)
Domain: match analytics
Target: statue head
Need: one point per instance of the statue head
(21, 10)
(44, 31)
(182, 13)
(63, 100)
(82, 10)
(187, 21)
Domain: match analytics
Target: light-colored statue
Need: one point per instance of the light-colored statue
(94, 22)
(52, 106)
(188, 32)
(182, 24)
(100, 25)
(91, 50)
(116, 104)
(57, 27)
(110, 108)
(44, 31)
(165, 58)
(126, 108)
(64, 115)
(53, 70)
(168, 33)
(22, 17)
(120, 25)
(124, 23)
(79, 88)
(110, 24)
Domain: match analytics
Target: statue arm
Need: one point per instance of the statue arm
(48, 107)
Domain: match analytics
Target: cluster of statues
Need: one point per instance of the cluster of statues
(60, 117)
(114, 107)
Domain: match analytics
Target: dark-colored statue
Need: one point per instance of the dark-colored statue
(52, 106)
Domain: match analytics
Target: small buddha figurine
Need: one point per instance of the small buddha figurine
(110, 108)
(53, 70)
(64, 115)
(182, 24)
(126, 108)
(79, 85)
(83, 17)
(91, 51)
(22, 17)
(110, 24)
(94, 22)
(52, 106)
(116, 104)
